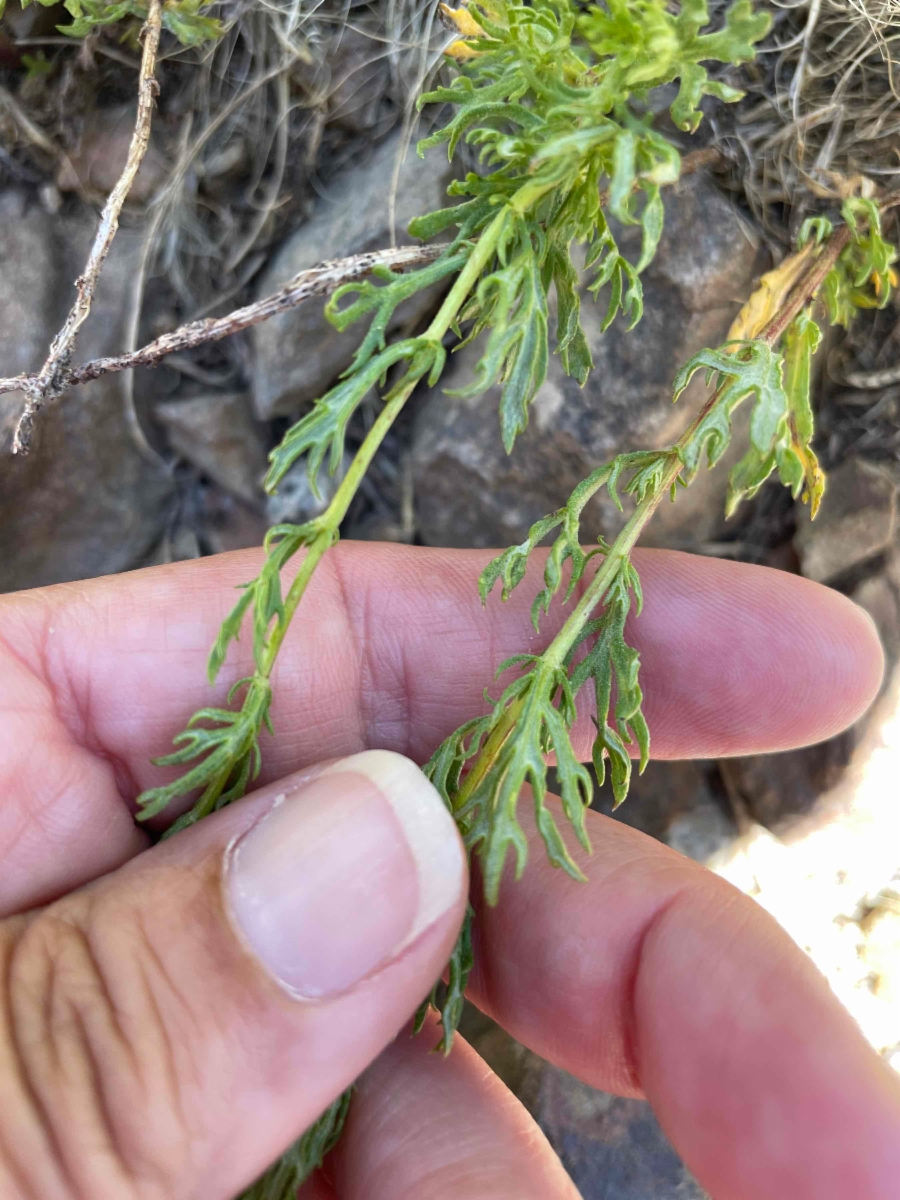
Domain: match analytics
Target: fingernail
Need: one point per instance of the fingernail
(344, 873)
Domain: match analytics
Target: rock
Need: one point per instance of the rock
(99, 159)
(226, 523)
(676, 803)
(612, 1148)
(776, 788)
(469, 493)
(857, 521)
(879, 595)
(295, 502)
(355, 77)
(298, 354)
(217, 433)
(84, 501)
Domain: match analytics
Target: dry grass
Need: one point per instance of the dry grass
(822, 113)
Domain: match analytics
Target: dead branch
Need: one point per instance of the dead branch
(317, 281)
(49, 383)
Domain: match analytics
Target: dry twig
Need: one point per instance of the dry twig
(317, 281)
(50, 382)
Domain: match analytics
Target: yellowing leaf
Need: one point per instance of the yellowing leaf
(461, 49)
(774, 288)
(462, 20)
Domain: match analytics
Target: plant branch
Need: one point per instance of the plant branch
(331, 519)
(807, 286)
(50, 381)
(321, 280)
(593, 594)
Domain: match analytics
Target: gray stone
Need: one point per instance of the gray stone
(355, 76)
(879, 595)
(228, 524)
(857, 521)
(702, 832)
(469, 493)
(295, 501)
(298, 354)
(95, 164)
(84, 501)
(776, 789)
(217, 433)
(612, 1148)
(676, 803)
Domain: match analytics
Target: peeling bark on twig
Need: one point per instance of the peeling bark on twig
(317, 281)
(50, 382)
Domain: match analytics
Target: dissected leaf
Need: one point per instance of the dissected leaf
(864, 276)
(610, 659)
(643, 469)
(186, 19)
(512, 300)
(284, 1178)
(449, 999)
(797, 463)
(322, 431)
(755, 371)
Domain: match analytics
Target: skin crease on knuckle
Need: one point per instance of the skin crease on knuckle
(90, 1092)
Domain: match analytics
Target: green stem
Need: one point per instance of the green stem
(337, 510)
(332, 519)
(553, 657)
(621, 548)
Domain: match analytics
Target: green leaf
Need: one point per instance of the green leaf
(487, 815)
(652, 219)
(383, 300)
(818, 229)
(644, 469)
(798, 465)
(571, 344)
(185, 19)
(755, 370)
(295, 1166)
(623, 178)
(609, 659)
(448, 1000)
(226, 754)
(513, 301)
(322, 431)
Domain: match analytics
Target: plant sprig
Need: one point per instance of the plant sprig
(545, 103)
(553, 98)
(480, 768)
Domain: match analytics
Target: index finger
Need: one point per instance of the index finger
(390, 648)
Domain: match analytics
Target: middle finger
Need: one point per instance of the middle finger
(656, 977)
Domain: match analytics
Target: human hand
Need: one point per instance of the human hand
(147, 1047)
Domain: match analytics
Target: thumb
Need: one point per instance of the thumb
(170, 1029)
